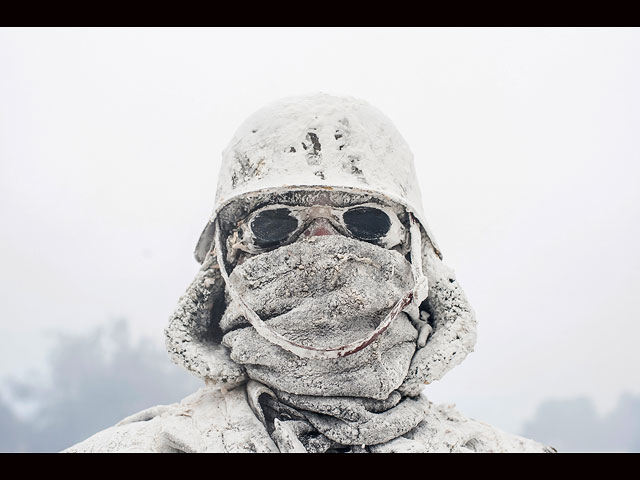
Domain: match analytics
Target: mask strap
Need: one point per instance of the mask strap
(420, 282)
(416, 296)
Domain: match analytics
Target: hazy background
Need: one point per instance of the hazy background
(525, 141)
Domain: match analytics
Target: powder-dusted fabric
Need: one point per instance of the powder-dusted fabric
(349, 421)
(323, 292)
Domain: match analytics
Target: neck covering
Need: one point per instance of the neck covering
(306, 423)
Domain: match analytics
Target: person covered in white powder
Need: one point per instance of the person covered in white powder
(322, 307)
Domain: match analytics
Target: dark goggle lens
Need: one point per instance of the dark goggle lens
(272, 227)
(367, 223)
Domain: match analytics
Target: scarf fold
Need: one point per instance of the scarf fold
(305, 423)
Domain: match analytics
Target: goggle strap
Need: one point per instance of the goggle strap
(304, 351)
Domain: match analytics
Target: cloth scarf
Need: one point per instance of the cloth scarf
(304, 423)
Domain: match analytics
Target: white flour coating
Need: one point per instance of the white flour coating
(322, 293)
(335, 144)
(454, 327)
(190, 343)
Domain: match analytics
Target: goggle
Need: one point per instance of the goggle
(276, 225)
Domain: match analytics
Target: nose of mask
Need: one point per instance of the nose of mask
(320, 227)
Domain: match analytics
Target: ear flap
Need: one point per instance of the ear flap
(205, 242)
(453, 321)
(193, 342)
(192, 339)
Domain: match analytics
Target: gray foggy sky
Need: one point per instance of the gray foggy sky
(526, 145)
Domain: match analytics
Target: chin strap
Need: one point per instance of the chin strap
(412, 298)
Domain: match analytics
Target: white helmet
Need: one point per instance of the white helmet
(339, 145)
(319, 142)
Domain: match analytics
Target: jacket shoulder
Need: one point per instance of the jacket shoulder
(445, 429)
(210, 420)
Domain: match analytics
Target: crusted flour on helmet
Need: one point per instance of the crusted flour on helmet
(321, 141)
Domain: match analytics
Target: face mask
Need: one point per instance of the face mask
(321, 293)
(194, 336)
